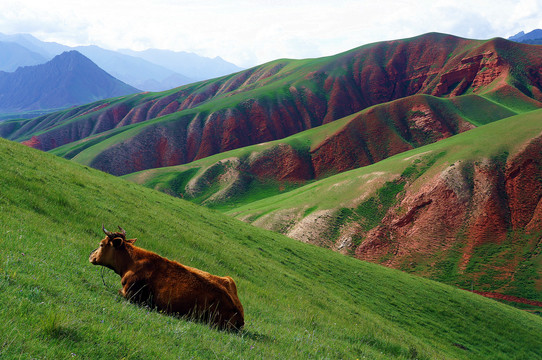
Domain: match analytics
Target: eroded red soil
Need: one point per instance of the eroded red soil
(466, 206)
(509, 298)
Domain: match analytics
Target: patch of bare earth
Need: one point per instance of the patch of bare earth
(312, 228)
(279, 221)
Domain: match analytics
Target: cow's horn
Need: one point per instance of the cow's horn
(122, 231)
(108, 233)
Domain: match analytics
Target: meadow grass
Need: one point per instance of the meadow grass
(300, 301)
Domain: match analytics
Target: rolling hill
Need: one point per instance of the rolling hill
(300, 300)
(290, 125)
(68, 79)
(282, 98)
(464, 210)
(345, 144)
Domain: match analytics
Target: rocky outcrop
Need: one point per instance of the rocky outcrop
(386, 130)
(524, 187)
(474, 72)
(425, 221)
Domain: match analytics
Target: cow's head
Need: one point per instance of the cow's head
(107, 254)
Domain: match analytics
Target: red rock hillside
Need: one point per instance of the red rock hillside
(362, 139)
(284, 97)
(484, 217)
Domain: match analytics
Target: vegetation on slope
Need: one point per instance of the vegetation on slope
(487, 238)
(241, 176)
(300, 300)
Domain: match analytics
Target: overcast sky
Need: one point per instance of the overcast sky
(251, 32)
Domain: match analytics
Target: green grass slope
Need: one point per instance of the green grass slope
(300, 301)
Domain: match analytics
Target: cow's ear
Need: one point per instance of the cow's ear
(131, 241)
(117, 242)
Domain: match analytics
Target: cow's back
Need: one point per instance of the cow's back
(185, 289)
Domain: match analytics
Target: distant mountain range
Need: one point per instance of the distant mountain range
(195, 66)
(150, 70)
(13, 56)
(534, 37)
(68, 79)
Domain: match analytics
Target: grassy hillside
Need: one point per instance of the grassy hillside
(506, 135)
(379, 131)
(300, 300)
(505, 257)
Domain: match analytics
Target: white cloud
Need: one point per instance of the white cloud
(251, 32)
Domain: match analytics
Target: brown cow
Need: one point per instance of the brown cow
(147, 278)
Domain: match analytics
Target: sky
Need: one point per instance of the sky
(252, 32)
